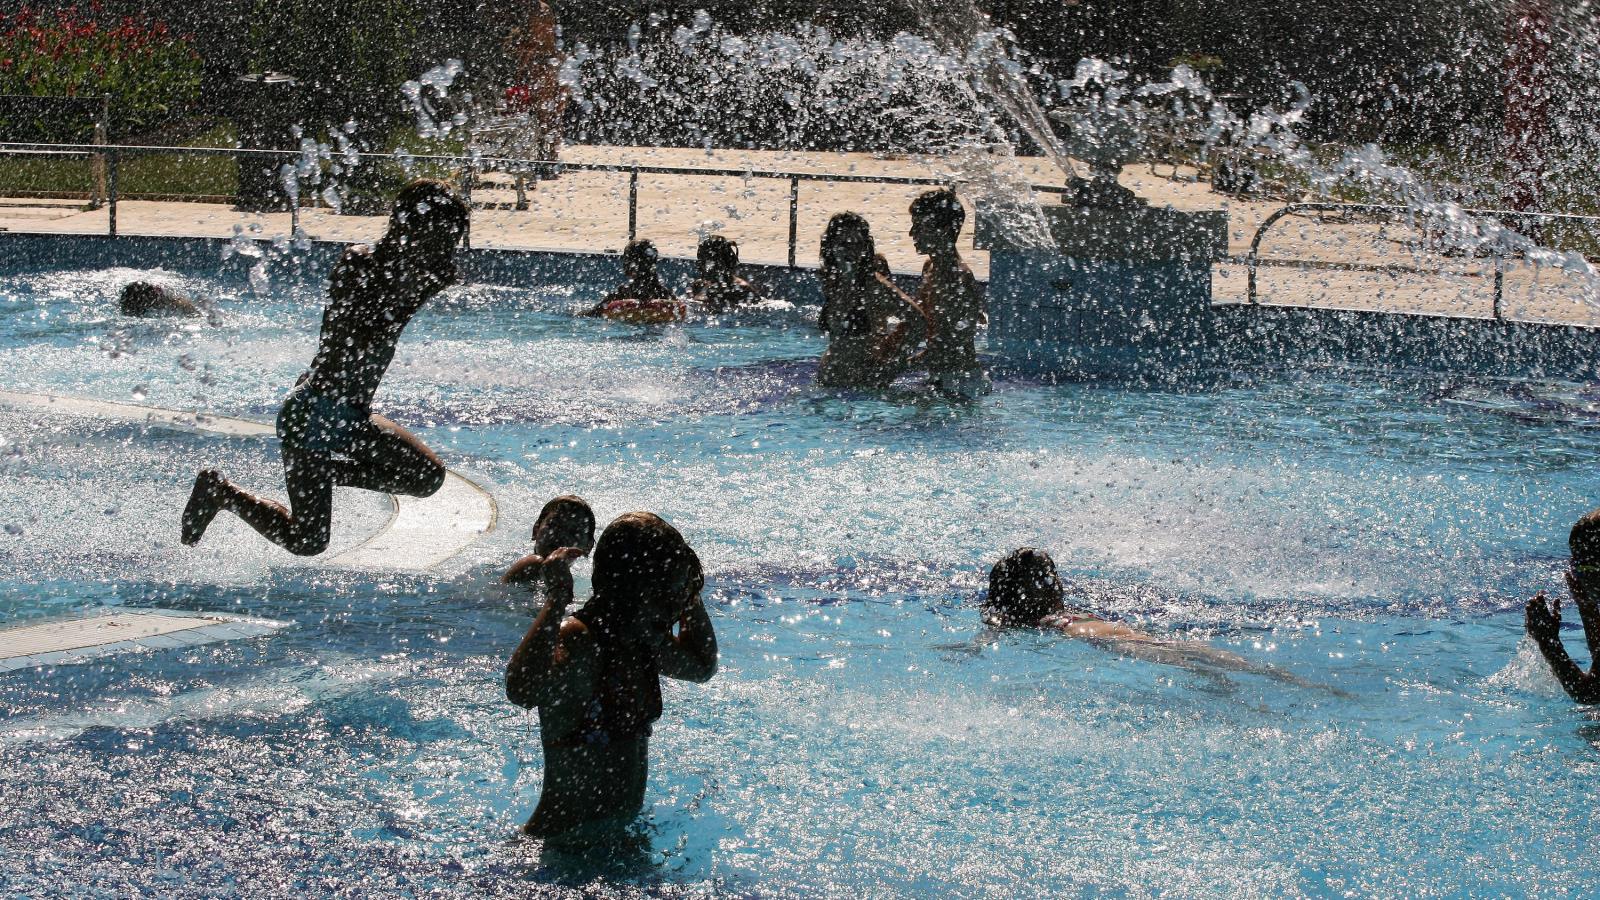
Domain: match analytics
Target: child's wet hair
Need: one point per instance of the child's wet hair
(642, 251)
(942, 207)
(425, 202)
(845, 225)
(718, 252)
(636, 552)
(572, 508)
(1584, 541)
(138, 298)
(1010, 602)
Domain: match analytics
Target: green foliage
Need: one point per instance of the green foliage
(149, 72)
(351, 55)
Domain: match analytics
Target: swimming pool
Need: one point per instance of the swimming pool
(865, 735)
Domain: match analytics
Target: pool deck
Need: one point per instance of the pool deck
(587, 211)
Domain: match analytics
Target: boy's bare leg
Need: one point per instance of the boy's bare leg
(303, 528)
(395, 462)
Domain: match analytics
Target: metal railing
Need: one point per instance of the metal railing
(99, 121)
(1392, 213)
(469, 169)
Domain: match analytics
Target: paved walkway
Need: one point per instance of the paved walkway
(589, 211)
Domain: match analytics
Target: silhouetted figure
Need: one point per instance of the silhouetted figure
(145, 299)
(595, 675)
(566, 521)
(950, 297)
(1025, 591)
(866, 318)
(1544, 614)
(329, 434)
(717, 285)
(642, 298)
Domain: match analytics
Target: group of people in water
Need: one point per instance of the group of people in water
(594, 673)
(876, 331)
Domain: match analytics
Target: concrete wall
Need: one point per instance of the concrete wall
(1252, 336)
(513, 268)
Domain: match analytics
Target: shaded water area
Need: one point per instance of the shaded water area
(1375, 534)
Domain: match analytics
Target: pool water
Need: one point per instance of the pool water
(1375, 535)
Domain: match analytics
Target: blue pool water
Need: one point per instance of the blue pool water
(866, 735)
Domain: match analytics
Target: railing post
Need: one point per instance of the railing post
(1499, 285)
(1255, 247)
(794, 217)
(633, 204)
(111, 191)
(294, 202)
(466, 197)
(101, 137)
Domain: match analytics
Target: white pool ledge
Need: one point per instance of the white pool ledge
(71, 641)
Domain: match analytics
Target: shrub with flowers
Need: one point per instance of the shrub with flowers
(149, 71)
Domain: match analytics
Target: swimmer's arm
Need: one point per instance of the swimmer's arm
(531, 675)
(1543, 617)
(969, 282)
(691, 654)
(525, 571)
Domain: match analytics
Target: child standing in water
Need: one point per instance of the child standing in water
(1544, 614)
(866, 318)
(949, 296)
(595, 675)
(330, 435)
(717, 286)
(566, 521)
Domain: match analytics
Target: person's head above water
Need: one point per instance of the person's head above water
(639, 259)
(847, 242)
(142, 298)
(643, 569)
(936, 220)
(1584, 542)
(566, 521)
(717, 257)
(428, 214)
(1023, 589)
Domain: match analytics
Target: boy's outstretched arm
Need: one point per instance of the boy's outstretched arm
(1543, 617)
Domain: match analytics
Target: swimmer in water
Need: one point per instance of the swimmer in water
(869, 321)
(717, 285)
(1026, 592)
(642, 298)
(144, 299)
(1544, 615)
(950, 297)
(567, 521)
(595, 675)
(330, 435)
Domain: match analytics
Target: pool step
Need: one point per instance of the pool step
(79, 640)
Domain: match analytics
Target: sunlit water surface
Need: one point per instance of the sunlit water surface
(866, 735)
